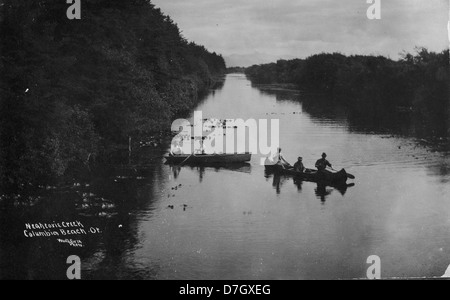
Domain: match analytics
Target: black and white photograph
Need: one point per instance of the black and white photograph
(213, 140)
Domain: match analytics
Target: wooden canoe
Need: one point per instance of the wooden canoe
(208, 158)
(311, 175)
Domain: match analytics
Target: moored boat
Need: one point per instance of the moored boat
(208, 158)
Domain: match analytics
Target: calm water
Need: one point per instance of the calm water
(238, 223)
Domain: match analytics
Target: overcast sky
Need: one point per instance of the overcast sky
(271, 29)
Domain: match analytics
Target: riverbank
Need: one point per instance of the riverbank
(287, 87)
(76, 93)
(370, 88)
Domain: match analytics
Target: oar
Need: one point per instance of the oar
(186, 159)
(350, 176)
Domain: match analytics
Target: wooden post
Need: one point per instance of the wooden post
(129, 150)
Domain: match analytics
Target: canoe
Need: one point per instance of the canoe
(311, 175)
(208, 158)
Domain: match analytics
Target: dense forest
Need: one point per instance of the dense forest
(74, 91)
(370, 86)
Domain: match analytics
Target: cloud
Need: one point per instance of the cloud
(299, 28)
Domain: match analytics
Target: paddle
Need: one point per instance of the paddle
(350, 176)
(288, 167)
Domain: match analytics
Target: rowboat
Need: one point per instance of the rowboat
(208, 158)
(311, 175)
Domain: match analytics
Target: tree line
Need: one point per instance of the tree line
(74, 91)
(370, 86)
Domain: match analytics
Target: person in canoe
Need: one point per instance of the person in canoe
(176, 149)
(323, 163)
(279, 160)
(299, 166)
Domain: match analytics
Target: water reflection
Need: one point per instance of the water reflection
(115, 200)
(213, 92)
(277, 182)
(400, 202)
(441, 169)
(175, 170)
(322, 191)
(319, 107)
(431, 136)
(299, 184)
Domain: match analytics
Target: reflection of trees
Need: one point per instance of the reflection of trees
(207, 93)
(402, 122)
(442, 170)
(372, 94)
(433, 133)
(104, 256)
(369, 85)
(280, 94)
(201, 169)
(120, 235)
(135, 197)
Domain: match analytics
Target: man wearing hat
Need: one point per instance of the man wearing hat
(323, 163)
(299, 167)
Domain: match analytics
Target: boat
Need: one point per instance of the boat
(311, 175)
(208, 158)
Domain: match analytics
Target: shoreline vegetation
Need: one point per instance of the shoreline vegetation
(373, 89)
(74, 92)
